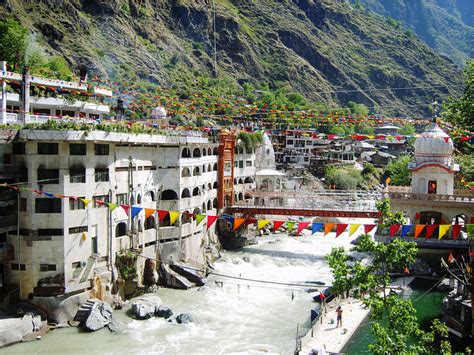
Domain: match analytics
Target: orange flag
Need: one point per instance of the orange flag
(328, 227)
(149, 212)
(418, 229)
(238, 222)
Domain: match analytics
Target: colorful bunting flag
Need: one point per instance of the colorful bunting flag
(394, 229)
(173, 216)
(450, 258)
(111, 206)
(162, 214)
(48, 194)
(405, 229)
(301, 226)
(353, 228)
(136, 211)
(262, 223)
(290, 225)
(316, 227)
(418, 229)
(430, 230)
(86, 202)
(210, 220)
(199, 218)
(443, 228)
(328, 227)
(238, 222)
(368, 228)
(340, 228)
(277, 225)
(149, 212)
(456, 231)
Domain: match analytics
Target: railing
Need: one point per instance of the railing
(465, 198)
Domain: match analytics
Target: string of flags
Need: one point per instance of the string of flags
(236, 222)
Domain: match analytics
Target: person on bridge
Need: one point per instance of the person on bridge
(339, 316)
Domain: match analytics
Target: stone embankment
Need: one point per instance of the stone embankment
(16, 330)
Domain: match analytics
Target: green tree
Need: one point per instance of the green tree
(387, 217)
(407, 130)
(398, 171)
(13, 43)
(364, 128)
(357, 109)
(394, 322)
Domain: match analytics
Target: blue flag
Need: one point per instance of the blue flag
(316, 227)
(48, 194)
(230, 220)
(135, 211)
(405, 229)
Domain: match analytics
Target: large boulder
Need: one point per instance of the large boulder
(184, 318)
(146, 307)
(100, 315)
(164, 311)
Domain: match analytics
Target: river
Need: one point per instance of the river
(237, 317)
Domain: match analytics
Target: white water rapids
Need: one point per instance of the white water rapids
(247, 318)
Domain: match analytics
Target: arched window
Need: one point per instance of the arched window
(235, 181)
(209, 186)
(215, 151)
(196, 191)
(209, 205)
(248, 180)
(215, 167)
(241, 150)
(196, 153)
(185, 172)
(139, 199)
(149, 196)
(121, 229)
(241, 196)
(209, 151)
(186, 153)
(214, 203)
(204, 168)
(185, 193)
(168, 195)
(196, 211)
(236, 197)
(216, 185)
(204, 206)
(185, 217)
(204, 152)
(209, 167)
(241, 181)
(196, 171)
(150, 223)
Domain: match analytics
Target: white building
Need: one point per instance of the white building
(64, 242)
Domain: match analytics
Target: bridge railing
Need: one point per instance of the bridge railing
(308, 204)
(465, 198)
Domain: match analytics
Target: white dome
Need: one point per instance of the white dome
(434, 145)
(158, 113)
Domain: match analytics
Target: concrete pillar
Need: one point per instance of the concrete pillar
(3, 97)
(25, 96)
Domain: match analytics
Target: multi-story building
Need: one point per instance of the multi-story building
(65, 243)
(244, 171)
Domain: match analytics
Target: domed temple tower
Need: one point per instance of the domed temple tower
(431, 198)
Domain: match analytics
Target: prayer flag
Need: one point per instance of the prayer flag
(111, 206)
(149, 212)
(173, 216)
(328, 227)
(443, 228)
(290, 226)
(162, 214)
(210, 220)
(340, 228)
(126, 208)
(368, 228)
(430, 230)
(353, 228)
(418, 229)
(199, 218)
(136, 211)
(238, 222)
(456, 231)
(301, 226)
(277, 224)
(262, 223)
(450, 257)
(316, 227)
(405, 229)
(86, 202)
(394, 229)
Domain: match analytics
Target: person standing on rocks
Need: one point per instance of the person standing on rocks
(339, 316)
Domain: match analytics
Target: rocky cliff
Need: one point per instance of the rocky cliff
(325, 49)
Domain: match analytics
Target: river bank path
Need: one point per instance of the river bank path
(324, 333)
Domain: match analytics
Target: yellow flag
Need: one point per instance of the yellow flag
(86, 202)
(173, 216)
(262, 223)
(443, 228)
(353, 228)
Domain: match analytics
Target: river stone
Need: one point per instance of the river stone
(184, 318)
(146, 307)
(164, 311)
(116, 326)
(100, 315)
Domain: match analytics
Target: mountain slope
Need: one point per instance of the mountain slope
(447, 25)
(328, 51)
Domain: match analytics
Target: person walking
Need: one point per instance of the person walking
(339, 316)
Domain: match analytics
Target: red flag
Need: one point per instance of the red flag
(394, 229)
(430, 229)
(276, 225)
(417, 216)
(210, 221)
(450, 257)
(456, 231)
(368, 228)
(340, 228)
(301, 226)
(162, 214)
(406, 271)
(446, 139)
(126, 208)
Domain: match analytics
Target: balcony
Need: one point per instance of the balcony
(405, 193)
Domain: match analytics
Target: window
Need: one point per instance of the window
(241, 164)
(48, 148)
(76, 230)
(50, 232)
(23, 204)
(101, 149)
(121, 229)
(48, 176)
(101, 175)
(150, 223)
(77, 149)
(19, 148)
(289, 142)
(248, 150)
(48, 205)
(76, 204)
(122, 199)
(77, 176)
(248, 163)
(47, 267)
(18, 267)
(236, 164)
(100, 198)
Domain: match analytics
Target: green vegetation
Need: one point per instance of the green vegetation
(387, 217)
(394, 322)
(407, 130)
(250, 140)
(398, 172)
(13, 42)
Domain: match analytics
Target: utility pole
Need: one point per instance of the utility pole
(130, 190)
(18, 240)
(3, 102)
